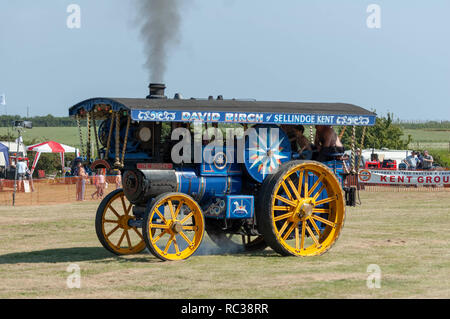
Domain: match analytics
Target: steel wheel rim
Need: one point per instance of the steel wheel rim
(298, 212)
(175, 227)
(115, 228)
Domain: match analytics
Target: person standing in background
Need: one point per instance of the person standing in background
(101, 182)
(95, 183)
(411, 161)
(21, 172)
(427, 160)
(118, 180)
(81, 182)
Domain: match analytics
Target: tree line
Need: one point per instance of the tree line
(39, 121)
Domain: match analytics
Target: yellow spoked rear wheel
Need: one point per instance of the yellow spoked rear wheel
(302, 209)
(174, 226)
(113, 230)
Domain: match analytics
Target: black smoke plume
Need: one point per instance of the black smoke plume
(159, 22)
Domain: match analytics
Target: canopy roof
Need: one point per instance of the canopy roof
(4, 158)
(230, 111)
(51, 147)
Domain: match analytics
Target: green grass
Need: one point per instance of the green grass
(406, 234)
(64, 135)
(429, 138)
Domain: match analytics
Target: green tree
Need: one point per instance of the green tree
(384, 134)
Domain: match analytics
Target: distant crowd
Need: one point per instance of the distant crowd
(419, 161)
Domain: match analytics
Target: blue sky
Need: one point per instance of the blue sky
(292, 50)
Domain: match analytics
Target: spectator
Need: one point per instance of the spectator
(101, 182)
(118, 180)
(22, 170)
(360, 159)
(81, 182)
(411, 161)
(327, 142)
(96, 184)
(299, 143)
(427, 160)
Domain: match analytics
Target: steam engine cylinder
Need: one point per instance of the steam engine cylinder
(142, 185)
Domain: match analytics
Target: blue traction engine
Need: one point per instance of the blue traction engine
(247, 194)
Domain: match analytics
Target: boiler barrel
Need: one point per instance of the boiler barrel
(142, 185)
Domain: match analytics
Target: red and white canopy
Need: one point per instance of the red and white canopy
(50, 147)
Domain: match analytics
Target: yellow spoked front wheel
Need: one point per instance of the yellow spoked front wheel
(302, 209)
(173, 226)
(112, 225)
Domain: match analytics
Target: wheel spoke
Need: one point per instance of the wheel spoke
(128, 238)
(289, 231)
(172, 213)
(168, 244)
(190, 227)
(285, 200)
(186, 218)
(311, 234)
(318, 193)
(300, 182)
(159, 236)
(323, 220)
(159, 226)
(114, 211)
(137, 232)
(324, 201)
(110, 221)
(286, 190)
(294, 189)
(281, 217)
(321, 210)
(186, 238)
(122, 199)
(283, 208)
(302, 242)
(306, 183)
(297, 239)
(121, 238)
(175, 244)
(129, 209)
(313, 223)
(177, 212)
(160, 216)
(313, 188)
(112, 231)
(283, 228)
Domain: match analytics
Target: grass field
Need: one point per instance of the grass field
(65, 135)
(406, 234)
(429, 138)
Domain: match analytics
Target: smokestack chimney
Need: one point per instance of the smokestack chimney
(157, 91)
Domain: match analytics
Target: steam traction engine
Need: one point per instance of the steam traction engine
(253, 187)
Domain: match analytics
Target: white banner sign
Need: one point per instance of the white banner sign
(3, 99)
(404, 177)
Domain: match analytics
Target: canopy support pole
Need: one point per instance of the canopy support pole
(96, 135)
(125, 142)
(81, 135)
(353, 170)
(88, 145)
(108, 144)
(117, 146)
